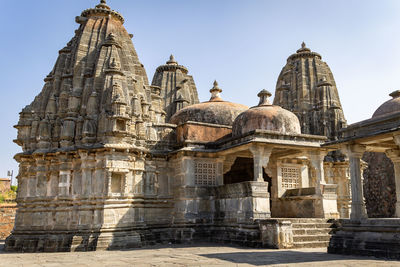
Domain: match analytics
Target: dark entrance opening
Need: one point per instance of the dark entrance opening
(242, 170)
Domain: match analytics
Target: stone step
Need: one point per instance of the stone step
(315, 244)
(310, 238)
(311, 225)
(312, 231)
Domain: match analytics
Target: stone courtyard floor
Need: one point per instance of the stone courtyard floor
(203, 254)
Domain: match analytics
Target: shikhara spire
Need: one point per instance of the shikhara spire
(92, 97)
(306, 86)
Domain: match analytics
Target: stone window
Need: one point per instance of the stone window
(121, 125)
(116, 183)
(290, 177)
(205, 173)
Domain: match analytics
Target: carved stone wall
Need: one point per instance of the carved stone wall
(379, 185)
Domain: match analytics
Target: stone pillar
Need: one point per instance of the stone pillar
(317, 162)
(260, 158)
(355, 153)
(394, 155)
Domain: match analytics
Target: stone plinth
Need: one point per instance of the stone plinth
(369, 237)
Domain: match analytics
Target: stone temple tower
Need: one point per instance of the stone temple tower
(85, 139)
(306, 87)
(97, 92)
(178, 89)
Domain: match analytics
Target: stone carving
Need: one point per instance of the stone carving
(306, 87)
(178, 89)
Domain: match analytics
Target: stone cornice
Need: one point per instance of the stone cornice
(304, 55)
(172, 68)
(103, 12)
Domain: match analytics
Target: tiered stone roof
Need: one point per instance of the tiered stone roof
(306, 87)
(97, 93)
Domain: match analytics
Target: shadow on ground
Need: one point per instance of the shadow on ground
(281, 257)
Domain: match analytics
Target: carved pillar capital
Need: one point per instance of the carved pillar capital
(262, 153)
(393, 154)
(356, 151)
(396, 139)
(228, 163)
(261, 157)
(317, 157)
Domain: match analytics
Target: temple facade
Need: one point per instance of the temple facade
(111, 161)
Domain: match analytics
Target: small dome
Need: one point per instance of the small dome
(266, 117)
(215, 111)
(390, 106)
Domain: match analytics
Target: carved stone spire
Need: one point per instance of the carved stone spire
(307, 88)
(63, 101)
(174, 84)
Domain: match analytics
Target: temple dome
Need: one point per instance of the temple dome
(215, 111)
(390, 106)
(266, 117)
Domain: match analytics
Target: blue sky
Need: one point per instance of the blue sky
(243, 44)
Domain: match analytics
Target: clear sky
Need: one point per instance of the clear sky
(242, 43)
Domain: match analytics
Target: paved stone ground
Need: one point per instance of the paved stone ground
(204, 254)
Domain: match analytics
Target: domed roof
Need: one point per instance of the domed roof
(390, 106)
(215, 111)
(266, 117)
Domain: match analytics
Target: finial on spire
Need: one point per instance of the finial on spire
(264, 96)
(103, 5)
(215, 91)
(172, 60)
(303, 48)
(395, 94)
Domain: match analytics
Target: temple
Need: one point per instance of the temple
(110, 161)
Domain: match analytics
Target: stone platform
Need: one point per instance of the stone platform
(279, 233)
(368, 237)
